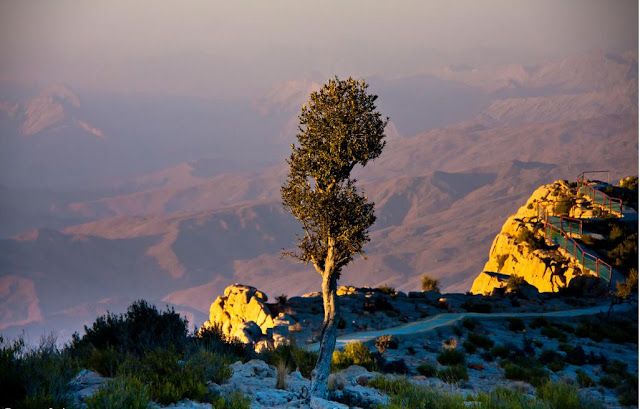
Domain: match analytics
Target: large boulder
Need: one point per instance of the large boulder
(242, 313)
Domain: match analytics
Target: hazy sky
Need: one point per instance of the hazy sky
(233, 47)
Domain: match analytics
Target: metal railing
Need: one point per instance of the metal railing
(555, 233)
(612, 204)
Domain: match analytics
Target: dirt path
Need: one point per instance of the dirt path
(445, 319)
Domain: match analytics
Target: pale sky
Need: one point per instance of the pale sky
(233, 47)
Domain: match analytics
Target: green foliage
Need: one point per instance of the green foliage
(430, 284)
(235, 400)
(386, 289)
(294, 358)
(502, 398)
(454, 374)
(532, 373)
(142, 328)
(404, 395)
(514, 283)
(339, 129)
(479, 340)
(451, 357)
(427, 369)
(36, 377)
(553, 332)
(120, 392)
(584, 380)
(616, 330)
(355, 353)
(168, 381)
(562, 395)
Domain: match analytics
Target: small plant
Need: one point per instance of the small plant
(235, 400)
(515, 283)
(528, 372)
(121, 392)
(386, 289)
(430, 284)
(385, 342)
(411, 351)
(469, 323)
(562, 395)
(282, 299)
(553, 332)
(479, 340)
(584, 380)
(451, 357)
(427, 369)
(454, 374)
(355, 353)
(469, 347)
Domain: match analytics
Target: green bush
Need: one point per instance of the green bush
(451, 357)
(430, 284)
(235, 400)
(454, 374)
(562, 395)
(469, 323)
(528, 372)
(584, 380)
(427, 369)
(469, 347)
(481, 341)
(502, 398)
(386, 289)
(355, 353)
(142, 328)
(553, 332)
(105, 361)
(209, 366)
(404, 395)
(121, 392)
(168, 381)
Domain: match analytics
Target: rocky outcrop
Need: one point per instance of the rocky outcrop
(519, 249)
(242, 313)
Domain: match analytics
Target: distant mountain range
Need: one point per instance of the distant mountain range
(181, 230)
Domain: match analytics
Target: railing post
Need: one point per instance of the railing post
(598, 266)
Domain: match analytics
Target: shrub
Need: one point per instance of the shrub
(411, 350)
(527, 237)
(562, 395)
(516, 324)
(282, 299)
(430, 284)
(142, 328)
(454, 374)
(386, 289)
(235, 400)
(481, 341)
(304, 360)
(355, 353)
(451, 357)
(167, 380)
(538, 322)
(342, 324)
(469, 323)
(404, 395)
(397, 366)
(528, 372)
(427, 369)
(584, 380)
(514, 283)
(385, 342)
(469, 347)
(121, 392)
(209, 366)
(105, 361)
(553, 332)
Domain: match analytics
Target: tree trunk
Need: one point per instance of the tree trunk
(328, 338)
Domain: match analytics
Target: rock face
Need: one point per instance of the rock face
(243, 313)
(519, 250)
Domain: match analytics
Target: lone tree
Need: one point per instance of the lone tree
(339, 129)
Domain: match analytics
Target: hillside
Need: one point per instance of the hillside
(186, 229)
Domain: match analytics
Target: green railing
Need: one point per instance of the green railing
(614, 205)
(554, 233)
